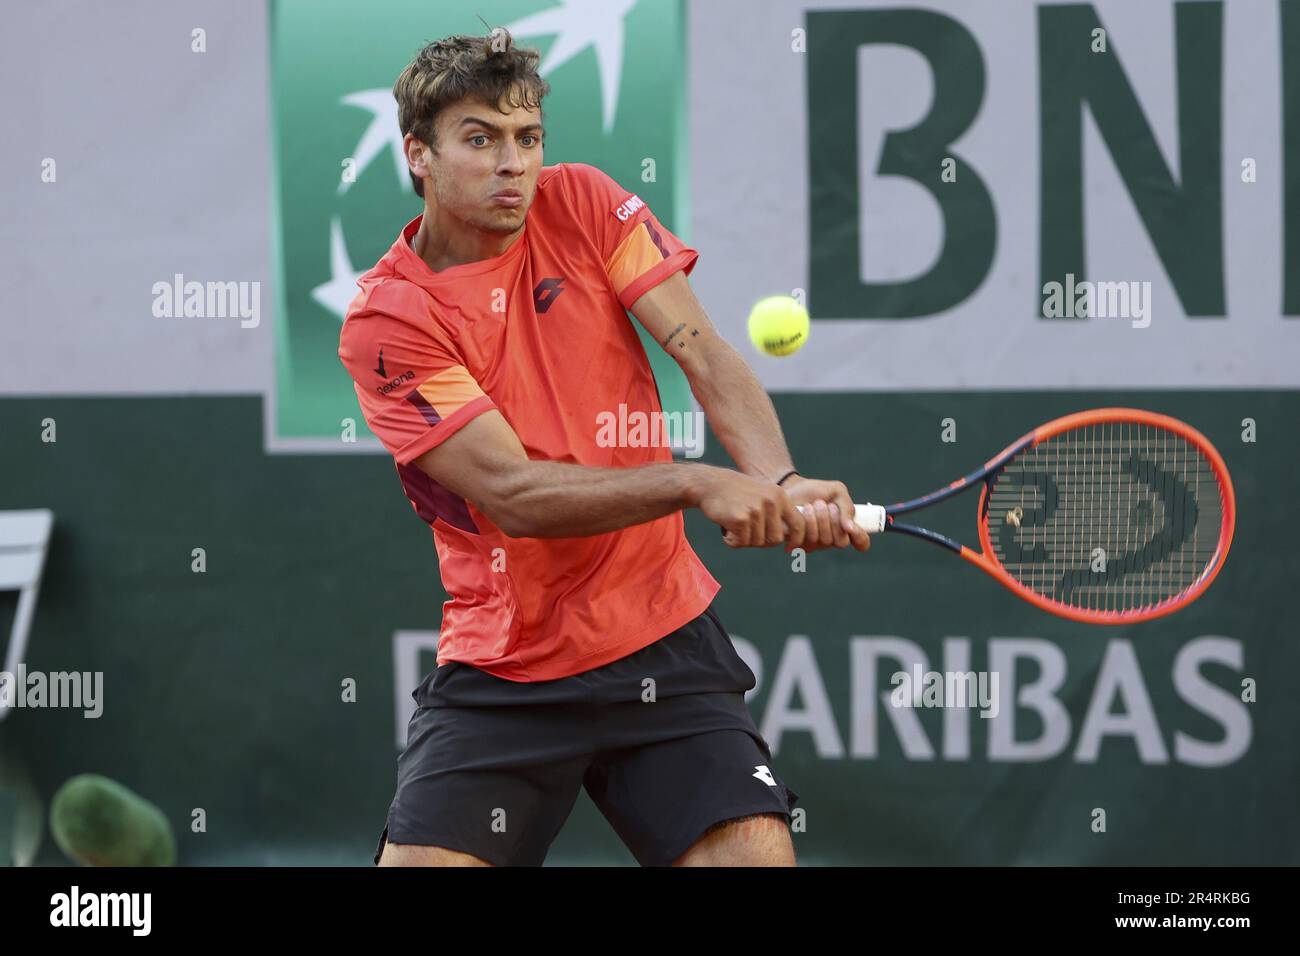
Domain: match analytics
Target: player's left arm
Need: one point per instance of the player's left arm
(740, 411)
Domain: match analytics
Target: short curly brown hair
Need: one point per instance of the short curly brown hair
(490, 69)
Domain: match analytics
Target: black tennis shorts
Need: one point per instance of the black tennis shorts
(661, 739)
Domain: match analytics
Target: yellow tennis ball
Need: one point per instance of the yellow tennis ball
(778, 325)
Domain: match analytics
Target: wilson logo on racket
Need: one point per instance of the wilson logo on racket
(1108, 516)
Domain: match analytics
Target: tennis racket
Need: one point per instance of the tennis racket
(1108, 516)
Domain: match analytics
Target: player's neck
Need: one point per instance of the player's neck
(443, 243)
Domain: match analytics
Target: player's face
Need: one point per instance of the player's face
(485, 170)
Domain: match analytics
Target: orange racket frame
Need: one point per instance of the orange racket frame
(983, 559)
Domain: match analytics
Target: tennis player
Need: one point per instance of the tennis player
(579, 647)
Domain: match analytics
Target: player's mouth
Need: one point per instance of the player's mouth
(510, 198)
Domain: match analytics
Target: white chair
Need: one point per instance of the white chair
(24, 539)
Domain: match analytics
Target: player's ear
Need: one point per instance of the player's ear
(417, 155)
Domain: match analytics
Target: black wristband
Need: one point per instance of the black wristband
(785, 476)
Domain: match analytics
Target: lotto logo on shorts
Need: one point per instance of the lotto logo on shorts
(765, 775)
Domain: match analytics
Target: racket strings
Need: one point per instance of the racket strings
(1114, 516)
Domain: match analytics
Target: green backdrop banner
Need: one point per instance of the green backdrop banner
(342, 190)
(223, 690)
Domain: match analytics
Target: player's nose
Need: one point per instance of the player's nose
(511, 161)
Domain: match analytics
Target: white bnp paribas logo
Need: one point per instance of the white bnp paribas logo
(576, 25)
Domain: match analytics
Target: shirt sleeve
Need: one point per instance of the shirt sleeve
(637, 251)
(413, 388)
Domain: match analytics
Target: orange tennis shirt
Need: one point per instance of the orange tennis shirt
(540, 334)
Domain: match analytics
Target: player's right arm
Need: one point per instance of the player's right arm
(485, 462)
(421, 401)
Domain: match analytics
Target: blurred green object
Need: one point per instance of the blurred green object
(22, 813)
(98, 822)
(8, 819)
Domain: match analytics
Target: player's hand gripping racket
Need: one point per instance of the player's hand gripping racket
(1106, 516)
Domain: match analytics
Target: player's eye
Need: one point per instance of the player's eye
(477, 136)
(532, 140)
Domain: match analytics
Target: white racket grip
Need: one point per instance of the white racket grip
(870, 518)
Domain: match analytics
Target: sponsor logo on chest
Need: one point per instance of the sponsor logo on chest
(628, 209)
